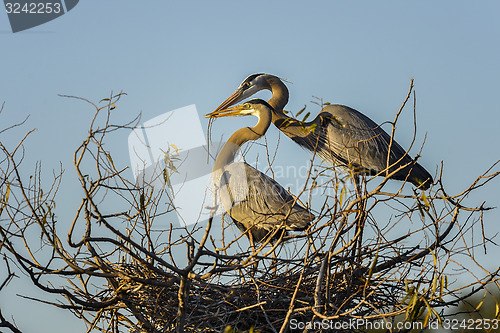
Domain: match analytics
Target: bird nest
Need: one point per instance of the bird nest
(245, 302)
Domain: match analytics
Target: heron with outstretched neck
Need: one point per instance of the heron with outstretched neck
(257, 204)
(339, 135)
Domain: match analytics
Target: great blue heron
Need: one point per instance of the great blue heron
(256, 203)
(338, 134)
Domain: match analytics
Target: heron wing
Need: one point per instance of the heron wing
(345, 135)
(258, 203)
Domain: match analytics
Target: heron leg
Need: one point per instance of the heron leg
(360, 217)
(274, 262)
(252, 246)
(250, 238)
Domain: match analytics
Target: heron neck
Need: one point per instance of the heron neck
(228, 152)
(279, 99)
(284, 123)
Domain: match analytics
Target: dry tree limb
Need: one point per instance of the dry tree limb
(123, 264)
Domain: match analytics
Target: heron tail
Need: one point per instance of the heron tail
(300, 221)
(420, 177)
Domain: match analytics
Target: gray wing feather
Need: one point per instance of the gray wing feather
(256, 201)
(346, 135)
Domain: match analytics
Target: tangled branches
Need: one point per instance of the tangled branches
(376, 255)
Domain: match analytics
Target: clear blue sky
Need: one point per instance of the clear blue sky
(167, 55)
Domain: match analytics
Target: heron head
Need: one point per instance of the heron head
(251, 85)
(252, 107)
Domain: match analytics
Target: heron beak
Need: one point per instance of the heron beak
(235, 97)
(228, 112)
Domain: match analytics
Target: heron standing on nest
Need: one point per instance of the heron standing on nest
(338, 134)
(256, 203)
